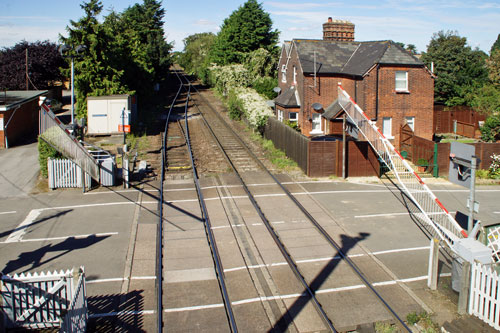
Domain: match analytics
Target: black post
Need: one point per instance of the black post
(123, 124)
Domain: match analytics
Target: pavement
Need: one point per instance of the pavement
(19, 170)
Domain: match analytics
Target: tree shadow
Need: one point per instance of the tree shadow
(35, 258)
(347, 243)
(116, 312)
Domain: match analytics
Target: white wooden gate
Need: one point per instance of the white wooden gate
(45, 300)
(484, 300)
(64, 173)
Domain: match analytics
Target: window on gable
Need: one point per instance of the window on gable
(293, 116)
(283, 73)
(401, 81)
(280, 115)
(294, 75)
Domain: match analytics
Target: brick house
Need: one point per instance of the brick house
(391, 85)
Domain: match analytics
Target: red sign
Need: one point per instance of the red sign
(127, 128)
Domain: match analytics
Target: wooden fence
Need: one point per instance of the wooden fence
(467, 120)
(293, 143)
(437, 154)
(322, 157)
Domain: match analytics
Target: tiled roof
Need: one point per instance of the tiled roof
(288, 98)
(350, 58)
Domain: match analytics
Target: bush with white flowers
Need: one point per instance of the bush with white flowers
(494, 170)
(225, 78)
(254, 106)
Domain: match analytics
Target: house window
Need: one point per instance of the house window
(316, 123)
(387, 127)
(283, 73)
(401, 81)
(294, 75)
(293, 116)
(411, 122)
(280, 115)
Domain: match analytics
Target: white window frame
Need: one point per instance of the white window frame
(280, 115)
(283, 73)
(410, 120)
(387, 127)
(294, 75)
(294, 119)
(316, 120)
(400, 79)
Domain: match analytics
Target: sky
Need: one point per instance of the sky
(406, 21)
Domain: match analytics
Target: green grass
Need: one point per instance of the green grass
(277, 157)
(424, 320)
(462, 140)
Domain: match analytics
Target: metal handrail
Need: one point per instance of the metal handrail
(53, 132)
(430, 210)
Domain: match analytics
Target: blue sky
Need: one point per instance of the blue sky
(410, 22)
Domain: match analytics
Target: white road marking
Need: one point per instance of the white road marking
(393, 214)
(321, 291)
(120, 279)
(11, 212)
(304, 261)
(21, 229)
(63, 237)
(122, 313)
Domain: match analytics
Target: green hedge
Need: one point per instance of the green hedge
(44, 152)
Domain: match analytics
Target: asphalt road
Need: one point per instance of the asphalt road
(66, 228)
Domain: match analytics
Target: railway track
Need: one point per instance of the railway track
(267, 239)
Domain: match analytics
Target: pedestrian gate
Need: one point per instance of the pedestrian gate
(45, 300)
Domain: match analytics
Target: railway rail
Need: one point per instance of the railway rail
(244, 165)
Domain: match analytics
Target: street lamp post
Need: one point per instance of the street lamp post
(62, 50)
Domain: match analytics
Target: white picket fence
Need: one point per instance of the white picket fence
(64, 173)
(484, 300)
(45, 300)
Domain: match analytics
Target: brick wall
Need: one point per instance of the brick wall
(417, 102)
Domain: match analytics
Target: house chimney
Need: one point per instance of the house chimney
(338, 30)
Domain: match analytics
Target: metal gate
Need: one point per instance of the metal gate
(45, 300)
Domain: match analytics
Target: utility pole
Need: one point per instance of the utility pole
(27, 76)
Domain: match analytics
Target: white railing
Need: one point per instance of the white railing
(77, 316)
(40, 300)
(53, 132)
(484, 302)
(428, 209)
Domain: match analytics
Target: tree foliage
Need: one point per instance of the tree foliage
(194, 59)
(43, 62)
(459, 68)
(496, 45)
(125, 54)
(247, 29)
(96, 73)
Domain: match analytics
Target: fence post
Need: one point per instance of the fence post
(432, 277)
(435, 169)
(463, 296)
